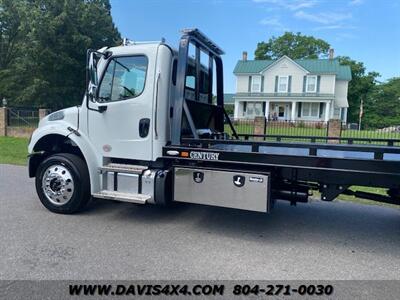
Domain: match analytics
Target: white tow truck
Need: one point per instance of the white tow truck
(152, 129)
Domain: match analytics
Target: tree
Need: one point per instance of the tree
(360, 86)
(50, 70)
(11, 16)
(12, 32)
(382, 107)
(295, 46)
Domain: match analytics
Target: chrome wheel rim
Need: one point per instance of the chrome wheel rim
(58, 185)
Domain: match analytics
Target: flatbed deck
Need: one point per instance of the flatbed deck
(335, 167)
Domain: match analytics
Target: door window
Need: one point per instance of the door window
(281, 111)
(124, 78)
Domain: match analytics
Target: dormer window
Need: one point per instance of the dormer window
(311, 84)
(256, 84)
(283, 84)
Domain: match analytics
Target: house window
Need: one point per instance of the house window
(310, 110)
(256, 84)
(283, 84)
(311, 84)
(253, 109)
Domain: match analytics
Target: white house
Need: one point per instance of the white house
(290, 90)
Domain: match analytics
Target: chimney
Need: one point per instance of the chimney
(244, 56)
(331, 53)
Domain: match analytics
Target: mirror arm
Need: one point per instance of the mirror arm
(102, 108)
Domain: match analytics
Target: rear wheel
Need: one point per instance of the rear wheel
(62, 183)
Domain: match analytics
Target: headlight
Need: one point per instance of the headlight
(58, 115)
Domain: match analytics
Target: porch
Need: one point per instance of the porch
(294, 110)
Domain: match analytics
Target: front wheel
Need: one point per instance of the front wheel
(62, 183)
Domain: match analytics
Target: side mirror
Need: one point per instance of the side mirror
(92, 67)
(92, 79)
(92, 76)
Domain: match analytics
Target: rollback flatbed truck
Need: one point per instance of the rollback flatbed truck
(152, 129)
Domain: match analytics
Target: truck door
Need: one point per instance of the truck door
(125, 96)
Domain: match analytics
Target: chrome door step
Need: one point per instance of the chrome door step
(123, 168)
(126, 197)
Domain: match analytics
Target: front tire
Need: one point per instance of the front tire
(63, 184)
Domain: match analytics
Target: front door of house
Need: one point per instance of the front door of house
(280, 111)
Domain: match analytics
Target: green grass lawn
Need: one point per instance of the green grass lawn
(370, 134)
(13, 150)
(276, 130)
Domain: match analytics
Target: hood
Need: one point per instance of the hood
(68, 115)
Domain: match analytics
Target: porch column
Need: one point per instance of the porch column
(236, 110)
(293, 111)
(267, 110)
(327, 111)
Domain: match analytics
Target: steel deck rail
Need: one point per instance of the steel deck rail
(314, 139)
(374, 172)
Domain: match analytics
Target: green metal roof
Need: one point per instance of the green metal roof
(228, 98)
(314, 66)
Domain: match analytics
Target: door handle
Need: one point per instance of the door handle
(144, 126)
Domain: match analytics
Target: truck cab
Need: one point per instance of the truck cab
(137, 101)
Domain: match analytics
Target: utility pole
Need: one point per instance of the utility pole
(361, 114)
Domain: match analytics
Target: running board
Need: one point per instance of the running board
(123, 168)
(126, 197)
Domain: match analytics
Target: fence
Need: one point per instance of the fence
(297, 128)
(316, 131)
(20, 122)
(372, 134)
(22, 117)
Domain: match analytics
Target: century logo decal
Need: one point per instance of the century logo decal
(204, 155)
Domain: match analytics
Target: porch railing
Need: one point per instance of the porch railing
(301, 95)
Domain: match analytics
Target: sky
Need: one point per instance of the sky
(365, 30)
